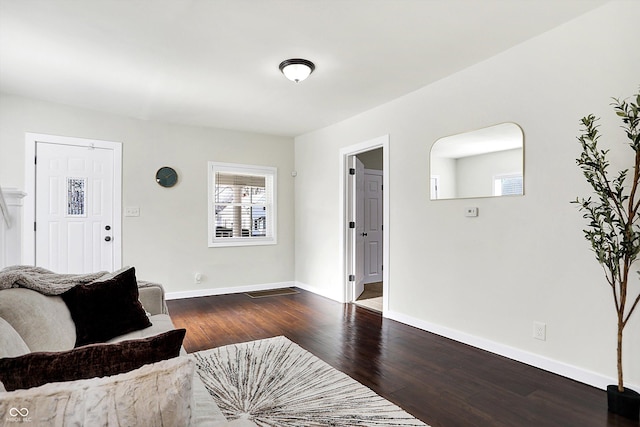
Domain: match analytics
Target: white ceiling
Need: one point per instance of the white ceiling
(215, 62)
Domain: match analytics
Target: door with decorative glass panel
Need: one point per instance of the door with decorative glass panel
(74, 207)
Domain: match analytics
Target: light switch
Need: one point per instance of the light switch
(473, 211)
(132, 211)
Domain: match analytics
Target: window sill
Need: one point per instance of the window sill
(231, 242)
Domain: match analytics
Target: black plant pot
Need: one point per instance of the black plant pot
(626, 404)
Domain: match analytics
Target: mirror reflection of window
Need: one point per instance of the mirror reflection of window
(486, 162)
(508, 185)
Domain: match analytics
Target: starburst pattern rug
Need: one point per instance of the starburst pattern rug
(275, 382)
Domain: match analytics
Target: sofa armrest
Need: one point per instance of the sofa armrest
(152, 297)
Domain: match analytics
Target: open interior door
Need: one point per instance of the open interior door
(357, 234)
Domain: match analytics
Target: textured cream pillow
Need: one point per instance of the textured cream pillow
(11, 343)
(44, 322)
(159, 394)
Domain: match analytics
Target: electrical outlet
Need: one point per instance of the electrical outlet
(471, 211)
(540, 331)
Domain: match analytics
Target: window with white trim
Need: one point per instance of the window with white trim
(242, 205)
(507, 185)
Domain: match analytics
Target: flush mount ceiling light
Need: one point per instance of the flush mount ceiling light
(296, 69)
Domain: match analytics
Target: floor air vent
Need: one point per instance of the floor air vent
(272, 293)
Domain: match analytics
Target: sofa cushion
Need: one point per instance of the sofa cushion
(159, 323)
(153, 395)
(152, 297)
(95, 360)
(11, 344)
(205, 410)
(104, 310)
(43, 322)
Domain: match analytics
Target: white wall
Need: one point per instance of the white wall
(372, 159)
(444, 169)
(487, 279)
(168, 241)
(11, 227)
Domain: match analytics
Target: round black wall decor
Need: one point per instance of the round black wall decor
(166, 176)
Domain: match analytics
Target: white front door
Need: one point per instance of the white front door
(358, 233)
(373, 248)
(76, 220)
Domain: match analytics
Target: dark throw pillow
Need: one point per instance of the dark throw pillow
(105, 310)
(94, 360)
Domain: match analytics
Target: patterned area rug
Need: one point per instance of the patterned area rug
(274, 382)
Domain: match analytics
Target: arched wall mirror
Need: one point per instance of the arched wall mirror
(486, 162)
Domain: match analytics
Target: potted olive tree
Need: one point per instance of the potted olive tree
(613, 229)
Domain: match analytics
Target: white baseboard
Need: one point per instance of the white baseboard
(229, 290)
(321, 292)
(547, 364)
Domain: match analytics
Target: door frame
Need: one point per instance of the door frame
(347, 249)
(29, 235)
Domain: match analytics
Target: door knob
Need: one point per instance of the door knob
(107, 239)
(364, 234)
(108, 227)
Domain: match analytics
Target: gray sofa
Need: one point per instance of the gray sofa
(44, 323)
(34, 322)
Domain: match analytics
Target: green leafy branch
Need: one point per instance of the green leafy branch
(612, 213)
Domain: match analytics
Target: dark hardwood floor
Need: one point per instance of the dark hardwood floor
(439, 381)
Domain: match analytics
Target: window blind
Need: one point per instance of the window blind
(242, 204)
